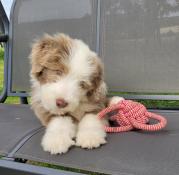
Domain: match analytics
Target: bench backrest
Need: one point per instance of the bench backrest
(137, 40)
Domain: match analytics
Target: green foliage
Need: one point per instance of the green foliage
(1, 67)
(11, 100)
(1, 74)
(64, 168)
(160, 103)
(1, 53)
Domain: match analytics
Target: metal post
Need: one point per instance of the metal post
(5, 21)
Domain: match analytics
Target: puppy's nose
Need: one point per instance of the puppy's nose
(61, 103)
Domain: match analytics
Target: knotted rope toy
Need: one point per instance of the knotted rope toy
(131, 115)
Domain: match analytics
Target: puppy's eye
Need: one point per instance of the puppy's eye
(59, 72)
(84, 85)
(89, 93)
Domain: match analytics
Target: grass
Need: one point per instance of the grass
(9, 100)
(154, 103)
(64, 168)
(160, 103)
(1, 73)
(1, 53)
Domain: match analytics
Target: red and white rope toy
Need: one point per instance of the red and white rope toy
(130, 115)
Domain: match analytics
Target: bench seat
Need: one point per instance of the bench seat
(133, 152)
(17, 122)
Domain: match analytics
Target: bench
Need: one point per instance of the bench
(140, 53)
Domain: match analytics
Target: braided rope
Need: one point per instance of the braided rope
(130, 115)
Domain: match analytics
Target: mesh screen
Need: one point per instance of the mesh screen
(140, 45)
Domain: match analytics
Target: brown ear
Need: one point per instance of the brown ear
(97, 76)
(64, 44)
(59, 43)
(98, 90)
(39, 50)
(51, 51)
(46, 42)
(35, 57)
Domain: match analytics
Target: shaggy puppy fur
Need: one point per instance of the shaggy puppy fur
(68, 91)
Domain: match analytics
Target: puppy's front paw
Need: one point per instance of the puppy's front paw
(90, 139)
(57, 144)
(115, 100)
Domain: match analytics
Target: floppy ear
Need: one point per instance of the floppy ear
(40, 48)
(36, 55)
(45, 43)
(51, 51)
(99, 94)
(99, 89)
(59, 43)
(97, 75)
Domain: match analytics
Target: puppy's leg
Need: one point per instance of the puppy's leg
(59, 134)
(91, 133)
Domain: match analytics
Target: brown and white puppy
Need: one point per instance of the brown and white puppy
(68, 91)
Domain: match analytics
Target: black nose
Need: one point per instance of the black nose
(61, 103)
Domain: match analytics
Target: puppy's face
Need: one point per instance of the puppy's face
(65, 73)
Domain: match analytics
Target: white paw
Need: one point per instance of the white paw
(56, 145)
(115, 100)
(90, 139)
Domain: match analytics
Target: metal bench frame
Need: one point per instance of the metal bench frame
(9, 166)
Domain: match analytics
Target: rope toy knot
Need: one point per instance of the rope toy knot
(131, 115)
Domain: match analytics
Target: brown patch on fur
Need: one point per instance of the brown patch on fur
(96, 79)
(42, 114)
(95, 88)
(97, 76)
(49, 56)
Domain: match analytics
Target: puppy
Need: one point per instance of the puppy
(68, 90)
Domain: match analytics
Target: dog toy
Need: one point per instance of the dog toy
(131, 115)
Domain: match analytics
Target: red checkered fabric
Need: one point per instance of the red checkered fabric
(130, 115)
